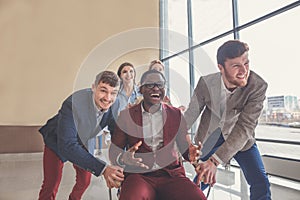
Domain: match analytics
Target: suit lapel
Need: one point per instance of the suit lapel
(137, 120)
(84, 114)
(92, 118)
(104, 119)
(215, 94)
(166, 124)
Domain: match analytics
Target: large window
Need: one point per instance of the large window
(250, 10)
(193, 31)
(271, 30)
(210, 18)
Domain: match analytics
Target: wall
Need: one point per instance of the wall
(45, 44)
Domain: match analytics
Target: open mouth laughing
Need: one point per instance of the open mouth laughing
(155, 96)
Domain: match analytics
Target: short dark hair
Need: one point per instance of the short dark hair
(107, 77)
(231, 49)
(152, 71)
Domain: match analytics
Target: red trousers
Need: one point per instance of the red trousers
(139, 186)
(53, 168)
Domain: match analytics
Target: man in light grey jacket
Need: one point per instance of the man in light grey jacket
(230, 103)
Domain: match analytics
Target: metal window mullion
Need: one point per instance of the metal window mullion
(251, 23)
(164, 39)
(235, 19)
(190, 43)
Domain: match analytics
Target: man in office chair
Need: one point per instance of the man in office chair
(153, 132)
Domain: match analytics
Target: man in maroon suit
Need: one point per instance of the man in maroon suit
(153, 133)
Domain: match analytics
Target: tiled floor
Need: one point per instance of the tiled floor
(21, 177)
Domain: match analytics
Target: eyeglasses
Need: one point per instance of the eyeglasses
(152, 85)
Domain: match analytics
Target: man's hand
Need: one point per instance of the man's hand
(128, 157)
(194, 152)
(206, 172)
(113, 176)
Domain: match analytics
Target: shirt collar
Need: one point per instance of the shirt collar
(97, 110)
(224, 89)
(144, 111)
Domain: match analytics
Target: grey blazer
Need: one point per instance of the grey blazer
(243, 109)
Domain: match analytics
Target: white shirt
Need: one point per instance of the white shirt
(99, 116)
(153, 130)
(225, 94)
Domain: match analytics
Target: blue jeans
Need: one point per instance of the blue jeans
(253, 168)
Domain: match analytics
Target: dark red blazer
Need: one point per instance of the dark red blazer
(129, 131)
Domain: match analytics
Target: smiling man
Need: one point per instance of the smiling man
(230, 103)
(70, 136)
(153, 133)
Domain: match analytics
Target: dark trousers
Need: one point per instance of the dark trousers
(53, 168)
(251, 164)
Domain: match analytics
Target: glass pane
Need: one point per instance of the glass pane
(210, 18)
(179, 84)
(250, 10)
(279, 133)
(177, 22)
(205, 61)
(274, 50)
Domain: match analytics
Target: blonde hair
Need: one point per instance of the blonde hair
(153, 62)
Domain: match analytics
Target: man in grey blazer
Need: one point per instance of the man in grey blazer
(71, 134)
(230, 103)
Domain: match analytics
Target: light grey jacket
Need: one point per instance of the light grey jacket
(243, 109)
